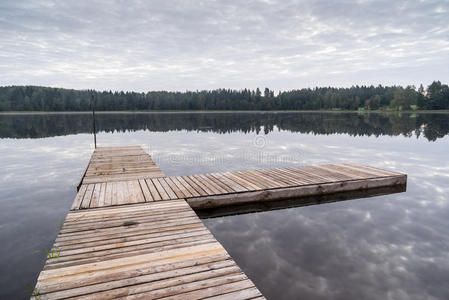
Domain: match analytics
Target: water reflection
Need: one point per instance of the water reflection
(250, 208)
(429, 126)
(376, 248)
(384, 247)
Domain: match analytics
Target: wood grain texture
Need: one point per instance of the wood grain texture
(141, 251)
(228, 188)
(133, 233)
(109, 164)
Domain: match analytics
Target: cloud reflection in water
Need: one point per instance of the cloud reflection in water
(386, 247)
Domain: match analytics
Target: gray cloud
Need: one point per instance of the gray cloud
(178, 45)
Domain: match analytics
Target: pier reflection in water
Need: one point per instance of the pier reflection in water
(298, 202)
(392, 245)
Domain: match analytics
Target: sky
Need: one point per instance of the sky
(197, 45)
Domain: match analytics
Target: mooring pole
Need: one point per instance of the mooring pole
(92, 104)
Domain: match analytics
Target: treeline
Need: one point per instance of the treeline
(35, 98)
(428, 126)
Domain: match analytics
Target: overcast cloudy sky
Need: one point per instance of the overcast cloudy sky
(179, 45)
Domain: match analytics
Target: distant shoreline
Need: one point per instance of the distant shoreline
(220, 111)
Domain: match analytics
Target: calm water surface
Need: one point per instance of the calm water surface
(385, 247)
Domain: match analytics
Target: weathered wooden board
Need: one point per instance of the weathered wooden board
(134, 235)
(294, 191)
(155, 250)
(241, 187)
(109, 164)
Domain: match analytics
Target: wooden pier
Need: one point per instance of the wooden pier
(132, 232)
(109, 164)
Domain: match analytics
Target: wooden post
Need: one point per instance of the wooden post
(92, 104)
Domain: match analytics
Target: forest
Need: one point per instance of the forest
(37, 98)
(428, 126)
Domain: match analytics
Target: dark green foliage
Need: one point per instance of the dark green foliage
(437, 96)
(34, 98)
(404, 98)
(431, 126)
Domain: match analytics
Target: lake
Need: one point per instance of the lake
(384, 247)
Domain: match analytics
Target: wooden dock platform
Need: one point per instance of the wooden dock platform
(132, 232)
(157, 250)
(121, 183)
(109, 164)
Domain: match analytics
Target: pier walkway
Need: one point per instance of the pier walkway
(132, 232)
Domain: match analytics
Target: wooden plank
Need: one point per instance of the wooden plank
(202, 190)
(190, 228)
(146, 229)
(328, 176)
(119, 169)
(312, 176)
(109, 224)
(250, 175)
(109, 220)
(202, 288)
(161, 255)
(152, 288)
(269, 182)
(204, 182)
(173, 187)
(95, 195)
(153, 190)
(301, 178)
(229, 182)
(114, 209)
(84, 271)
(191, 189)
(121, 192)
(145, 190)
(101, 200)
(371, 170)
(270, 174)
(99, 248)
(121, 177)
(181, 187)
(137, 249)
(247, 184)
(111, 233)
(270, 179)
(95, 220)
(79, 197)
(222, 188)
(287, 178)
(164, 189)
(71, 231)
(131, 194)
(248, 293)
(119, 286)
(346, 172)
(335, 176)
(87, 218)
(114, 199)
(252, 179)
(138, 190)
(87, 196)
